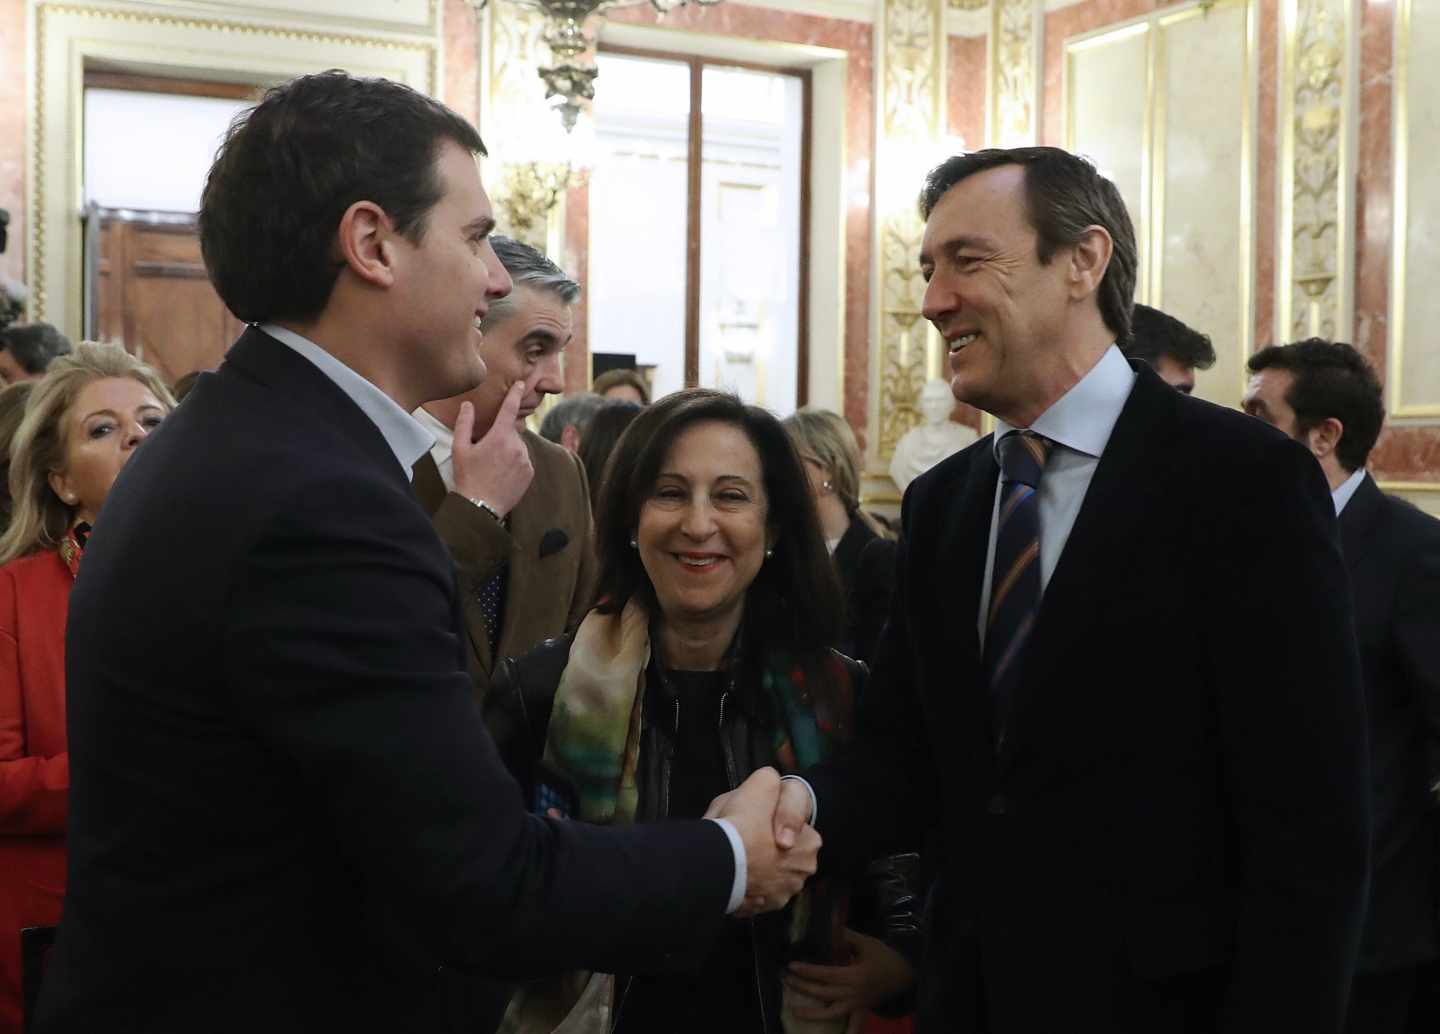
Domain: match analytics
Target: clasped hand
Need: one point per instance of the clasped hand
(782, 849)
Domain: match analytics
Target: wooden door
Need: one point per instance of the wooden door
(152, 294)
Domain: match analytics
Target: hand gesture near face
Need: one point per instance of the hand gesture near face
(497, 468)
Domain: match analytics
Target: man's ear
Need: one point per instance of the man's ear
(570, 438)
(366, 243)
(1089, 259)
(1324, 438)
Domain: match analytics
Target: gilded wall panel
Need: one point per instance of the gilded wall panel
(911, 73)
(1012, 114)
(1108, 117)
(1414, 368)
(70, 36)
(1317, 122)
(1202, 228)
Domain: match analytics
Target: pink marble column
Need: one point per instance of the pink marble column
(461, 73)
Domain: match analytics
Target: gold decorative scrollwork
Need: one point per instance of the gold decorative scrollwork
(1316, 126)
(903, 362)
(968, 5)
(1013, 73)
(912, 113)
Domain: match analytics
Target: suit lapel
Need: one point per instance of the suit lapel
(1357, 519)
(528, 522)
(1127, 489)
(961, 548)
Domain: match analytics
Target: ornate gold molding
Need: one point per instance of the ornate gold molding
(968, 5)
(1316, 121)
(1396, 374)
(1016, 27)
(912, 74)
(39, 252)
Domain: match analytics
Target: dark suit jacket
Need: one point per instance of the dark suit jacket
(1179, 808)
(285, 812)
(1392, 551)
(549, 547)
(866, 565)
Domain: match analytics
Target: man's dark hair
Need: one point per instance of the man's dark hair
(1331, 379)
(1154, 333)
(573, 411)
(1064, 195)
(290, 167)
(34, 345)
(794, 605)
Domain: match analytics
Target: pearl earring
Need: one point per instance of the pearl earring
(769, 552)
(826, 485)
(634, 544)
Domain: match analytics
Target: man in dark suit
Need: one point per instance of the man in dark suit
(520, 533)
(1325, 395)
(1131, 840)
(285, 812)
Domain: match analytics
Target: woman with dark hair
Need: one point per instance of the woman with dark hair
(706, 658)
(604, 430)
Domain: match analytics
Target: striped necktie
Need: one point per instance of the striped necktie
(1015, 582)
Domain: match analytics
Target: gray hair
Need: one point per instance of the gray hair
(528, 267)
(574, 411)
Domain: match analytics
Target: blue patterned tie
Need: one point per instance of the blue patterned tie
(491, 597)
(1015, 582)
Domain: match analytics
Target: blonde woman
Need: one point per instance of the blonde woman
(864, 555)
(83, 420)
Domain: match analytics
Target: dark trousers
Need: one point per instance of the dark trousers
(1380, 1003)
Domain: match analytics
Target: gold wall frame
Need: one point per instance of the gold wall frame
(67, 36)
(911, 50)
(1399, 257)
(1152, 233)
(1013, 66)
(1318, 101)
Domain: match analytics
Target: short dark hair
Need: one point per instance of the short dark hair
(1331, 379)
(34, 345)
(1064, 195)
(794, 605)
(572, 411)
(1154, 333)
(290, 167)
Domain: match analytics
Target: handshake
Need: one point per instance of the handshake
(781, 847)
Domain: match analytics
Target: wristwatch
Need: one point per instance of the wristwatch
(487, 508)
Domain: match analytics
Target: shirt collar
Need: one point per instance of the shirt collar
(444, 436)
(406, 438)
(1083, 417)
(1347, 489)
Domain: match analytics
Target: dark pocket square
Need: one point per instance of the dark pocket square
(553, 541)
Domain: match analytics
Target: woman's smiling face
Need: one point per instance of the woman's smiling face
(702, 531)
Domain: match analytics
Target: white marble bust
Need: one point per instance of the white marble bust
(924, 446)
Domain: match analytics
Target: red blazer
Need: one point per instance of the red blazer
(34, 765)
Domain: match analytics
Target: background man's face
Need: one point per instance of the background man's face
(1173, 372)
(995, 305)
(1265, 398)
(12, 372)
(525, 345)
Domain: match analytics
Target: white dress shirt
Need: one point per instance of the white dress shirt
(443, 451)
(1347, 489)
(1079, 423)
(406, 438)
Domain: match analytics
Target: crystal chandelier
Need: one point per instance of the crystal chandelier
(568, 78)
